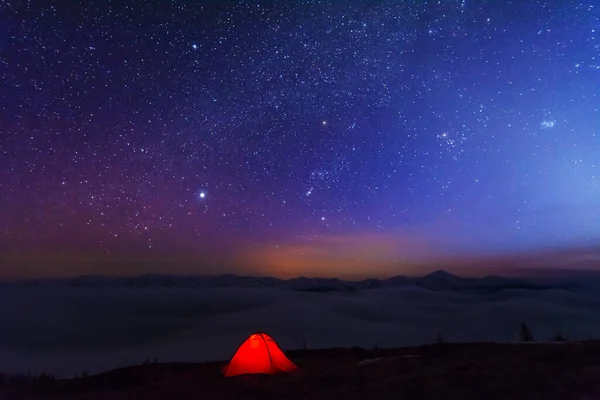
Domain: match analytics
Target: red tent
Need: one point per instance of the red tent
(259, 354)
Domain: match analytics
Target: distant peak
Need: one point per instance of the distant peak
(440, 273)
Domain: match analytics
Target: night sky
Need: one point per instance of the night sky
(290, 137)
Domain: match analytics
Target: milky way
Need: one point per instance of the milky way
(141, 127)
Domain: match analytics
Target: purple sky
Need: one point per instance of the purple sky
(301, 135)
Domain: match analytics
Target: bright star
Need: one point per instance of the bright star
(195, 46)
(202, 195)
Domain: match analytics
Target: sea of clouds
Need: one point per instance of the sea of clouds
(66, 330)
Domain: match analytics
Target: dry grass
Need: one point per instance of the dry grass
(447, 371)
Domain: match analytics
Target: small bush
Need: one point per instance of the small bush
(559, 337)
(525, 334)
(440, 338)
(376, 351)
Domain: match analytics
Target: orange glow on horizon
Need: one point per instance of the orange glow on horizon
(336, 256)
(339, 256)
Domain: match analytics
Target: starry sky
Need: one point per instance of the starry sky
(291, 137)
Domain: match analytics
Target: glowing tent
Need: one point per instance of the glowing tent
(259, 354)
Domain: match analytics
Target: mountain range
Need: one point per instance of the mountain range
(435, 281)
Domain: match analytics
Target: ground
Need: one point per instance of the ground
(443, 371)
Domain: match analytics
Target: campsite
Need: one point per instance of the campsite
(258, 337)
(299, 199)
(565, 371)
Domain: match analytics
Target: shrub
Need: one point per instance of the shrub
(559, 337)
(440, 338)
(525, 334)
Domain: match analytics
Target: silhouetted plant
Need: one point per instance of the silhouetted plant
(44, 377)
(440, 338)
(303, 344)
(525, 334)
(559, 337)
